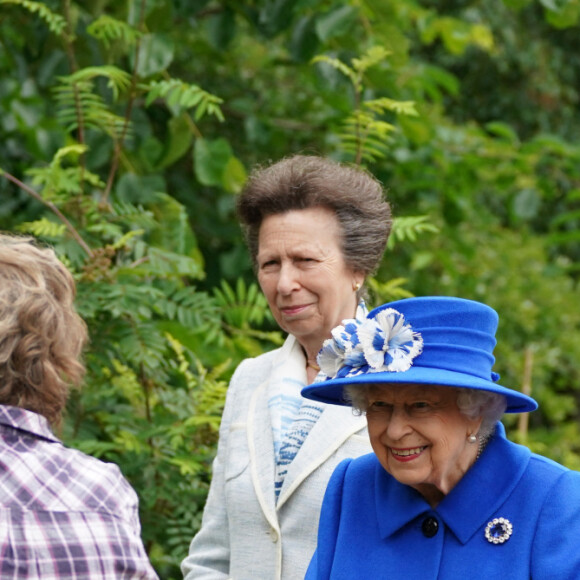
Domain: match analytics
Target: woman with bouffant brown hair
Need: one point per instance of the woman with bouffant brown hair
(66, 514)
(316, 229)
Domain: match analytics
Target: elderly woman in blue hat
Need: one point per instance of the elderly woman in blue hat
(445, 494)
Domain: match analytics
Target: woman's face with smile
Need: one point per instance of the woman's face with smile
(420, 437)
(302, 272)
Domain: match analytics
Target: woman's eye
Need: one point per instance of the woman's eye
(420, 407)
(379, 406)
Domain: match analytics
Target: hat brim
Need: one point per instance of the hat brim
(331, 391)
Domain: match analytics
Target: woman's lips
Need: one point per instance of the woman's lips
(407, 454)
(293, 310)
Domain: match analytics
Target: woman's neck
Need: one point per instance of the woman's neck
(312, 366)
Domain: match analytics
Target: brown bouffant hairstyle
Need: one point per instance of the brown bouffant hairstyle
(305, 181)
(41, 334)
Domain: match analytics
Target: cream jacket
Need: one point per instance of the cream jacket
(245, 534)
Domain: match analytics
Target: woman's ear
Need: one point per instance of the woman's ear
(357, 281)
(475, 425)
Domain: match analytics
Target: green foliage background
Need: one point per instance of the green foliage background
(128, 128)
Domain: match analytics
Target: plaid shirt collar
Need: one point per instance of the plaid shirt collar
(28, 421)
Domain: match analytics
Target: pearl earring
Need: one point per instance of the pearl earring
(472, 438)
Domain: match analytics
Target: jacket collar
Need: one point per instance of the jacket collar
(333, 428)
(26, 421)
(491, 479)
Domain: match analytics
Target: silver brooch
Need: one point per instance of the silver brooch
(498, 530)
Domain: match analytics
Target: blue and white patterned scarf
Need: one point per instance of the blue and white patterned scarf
(293, 416)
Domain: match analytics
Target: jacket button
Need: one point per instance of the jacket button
(429, 527)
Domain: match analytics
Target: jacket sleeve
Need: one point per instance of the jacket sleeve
(321, 564)
(209, 551)
(556, 550)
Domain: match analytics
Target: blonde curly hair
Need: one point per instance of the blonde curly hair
(41, 334)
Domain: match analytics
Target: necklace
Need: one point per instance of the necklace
(481, 446)
(312, 365)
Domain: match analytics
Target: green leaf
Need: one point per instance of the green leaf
(222, 29)
(108, 29)
(304, 41)
(43, 228)
(502, 130)
(564, 16)
(335, 22)
(178, 142)
(526, 204)
(141, 189)
(179, 95)
(234, 176)
(275, 16)
(156, 53)
(56, 22)
(211, 159)
(172, 229)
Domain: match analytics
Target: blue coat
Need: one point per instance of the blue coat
(373, 527)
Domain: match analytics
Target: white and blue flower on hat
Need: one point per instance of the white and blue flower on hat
(426, 340)
(383, 343)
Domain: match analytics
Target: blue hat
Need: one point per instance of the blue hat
(432, 340)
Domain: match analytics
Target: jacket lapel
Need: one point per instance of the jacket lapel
(288, 361)
(335, 426)
(261, 450)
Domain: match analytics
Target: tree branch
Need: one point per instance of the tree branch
(74, 233)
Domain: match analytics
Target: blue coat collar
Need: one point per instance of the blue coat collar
(469, 505)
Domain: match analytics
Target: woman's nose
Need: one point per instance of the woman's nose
(398, 425)
(287, 280)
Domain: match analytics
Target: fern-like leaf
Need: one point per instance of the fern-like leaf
(373, 56)
(338, 65)
(43, 228)
(194, 310)
(56, 23)
(79, 104)
(118, 80)
(57, 182)
(383, 292)
(179, 95)
(365, 134)
(409, 228)
(380, 106)
(108, 29)
(242, 307)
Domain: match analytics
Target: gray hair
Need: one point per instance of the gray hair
(473, 403)
(306, 181)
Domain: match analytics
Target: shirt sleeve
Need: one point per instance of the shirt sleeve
(321, 564)
(130, 546)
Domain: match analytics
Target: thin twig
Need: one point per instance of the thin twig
(132, 95)
(75, 234)
(68, 36)
(527, 390)
(359, 140)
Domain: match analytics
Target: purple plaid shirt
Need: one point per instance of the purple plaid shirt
(63, 514)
